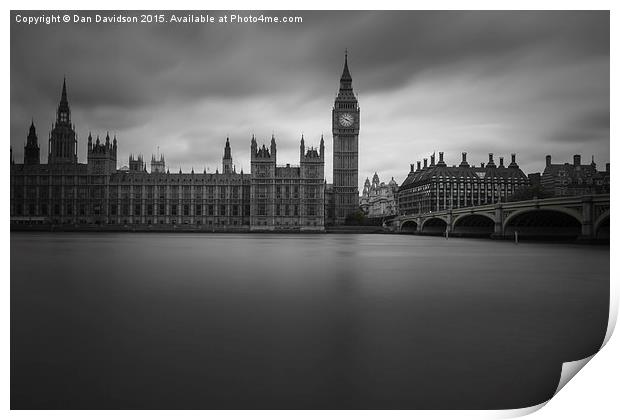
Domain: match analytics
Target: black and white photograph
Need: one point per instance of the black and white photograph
(306, 209)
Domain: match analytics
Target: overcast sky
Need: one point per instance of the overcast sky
(531, 83)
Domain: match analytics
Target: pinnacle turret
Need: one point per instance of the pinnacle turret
(227, 164)
(31, 150)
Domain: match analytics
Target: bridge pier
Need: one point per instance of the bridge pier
(587, 220)
(498, 228)
(587, 224)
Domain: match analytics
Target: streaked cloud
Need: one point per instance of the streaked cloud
(532, 83)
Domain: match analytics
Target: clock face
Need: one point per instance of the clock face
(346, 119)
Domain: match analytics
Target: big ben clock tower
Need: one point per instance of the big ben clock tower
(345, 130)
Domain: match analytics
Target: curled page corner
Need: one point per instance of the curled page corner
(570, 369)
(613, 311)
(519, 412)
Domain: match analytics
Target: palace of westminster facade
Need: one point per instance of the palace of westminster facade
(64, 192)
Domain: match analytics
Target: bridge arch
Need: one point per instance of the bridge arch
(575, 214)
(409, 226)
(554, 222)
(434, 225)
(473, 224)
(601, 226)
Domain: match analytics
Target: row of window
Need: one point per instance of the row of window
(139, 221)
(163, 210)
(150, 210)
(43, 180)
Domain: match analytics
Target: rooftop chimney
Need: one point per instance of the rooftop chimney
(425, 162)
(411, 166)
(464, 163)
(577, 160)
(433, 159)
(490, 164)
(419, 163)
(501, 162)
(513, 161)
(441, 157)
(548, 160)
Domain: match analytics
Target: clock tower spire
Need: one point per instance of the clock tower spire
(345, 79)
(345, 131)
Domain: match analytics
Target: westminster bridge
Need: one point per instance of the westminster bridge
(584, 217)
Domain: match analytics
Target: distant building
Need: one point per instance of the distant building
(378, 198)
(535, 179)
(287, 197)
(158, 165)
(565, 179)
(101, 156)
(66, 192)
(137, 164)
(437, 186)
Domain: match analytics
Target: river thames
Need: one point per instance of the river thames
(298, 321)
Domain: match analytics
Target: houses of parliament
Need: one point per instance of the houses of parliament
(64, 193)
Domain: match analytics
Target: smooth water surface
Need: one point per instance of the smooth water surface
(297, 321)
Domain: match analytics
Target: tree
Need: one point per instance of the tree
(357, 218)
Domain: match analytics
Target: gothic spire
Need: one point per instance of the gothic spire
(63, 115)
(31, 140)
(31, 149)
(346, 82)
(32, 131)
(63, 97)
(227, 153)
(346, 75)
(272, 147)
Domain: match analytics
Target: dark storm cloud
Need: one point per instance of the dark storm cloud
(525, 82)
